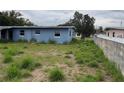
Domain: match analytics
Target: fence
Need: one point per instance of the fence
(113, 49)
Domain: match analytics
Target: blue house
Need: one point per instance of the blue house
(60, 34)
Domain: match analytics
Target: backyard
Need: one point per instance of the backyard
(79, 61)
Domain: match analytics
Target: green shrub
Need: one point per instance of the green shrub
(74, 40)
(56, 75)
(80, 61)
(37, 64)
(3, 41)
(22, 40)
(13, 72)
(42, 42)
(65, 43)
(51, 42)
(68, 56)
(33, 40)
(70, 64)
(25, 47)
(93, 64)
(11, 52)
(111, 68)
(5, 47)
(69, 52)
(99, 76)
(7, 58)
(20, 52)
(26, 73)
(28, 63)
(89, 78)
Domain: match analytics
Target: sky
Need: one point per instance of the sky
(105, 18)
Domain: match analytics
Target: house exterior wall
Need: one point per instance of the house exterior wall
(118, 33)
(45, 34)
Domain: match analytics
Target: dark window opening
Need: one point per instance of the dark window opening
(10, 35)
(78, 34)
(113, 34)
(3, 35)
(6, 34)
(22, 33)
(108, 33)
(37, 32)
(57, 34)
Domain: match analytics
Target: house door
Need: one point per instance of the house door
(10, 35)
(3, 35)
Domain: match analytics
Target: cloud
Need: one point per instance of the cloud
(55, 17)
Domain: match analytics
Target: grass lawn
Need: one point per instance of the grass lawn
(81, 61)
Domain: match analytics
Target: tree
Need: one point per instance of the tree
(13, 18)
(84, 24)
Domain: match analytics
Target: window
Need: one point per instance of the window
(113, 34)
(37, 32)
(78, 34)
(22, 33)
(57, 34)
(108, 33)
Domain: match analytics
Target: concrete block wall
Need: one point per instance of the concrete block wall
(113, 50)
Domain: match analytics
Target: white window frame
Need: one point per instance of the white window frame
(36, 33)
(20, 33)
(57, 36)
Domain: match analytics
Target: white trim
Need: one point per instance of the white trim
(36, 33)
(21, 35)
(56, 36)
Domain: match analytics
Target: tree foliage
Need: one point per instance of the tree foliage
(13, 18)
(84, 24)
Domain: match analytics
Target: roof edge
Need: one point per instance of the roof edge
(9, 27)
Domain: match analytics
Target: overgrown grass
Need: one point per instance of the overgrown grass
(22, 41)
(56, 75)
(89, 78)
(17, 70)
(93, 64)
(11, 52)
(74, 40)
(89, 65)
(5, 47)
(52, 42)
(112, 70)
(25, 73)
(7, 58)
(13, 72)
(98, 77)
(91, 55)
(29, 63)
